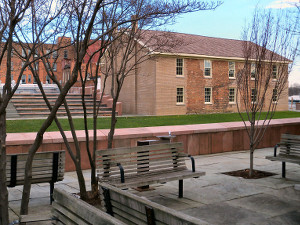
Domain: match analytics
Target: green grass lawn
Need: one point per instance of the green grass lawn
(31, 125)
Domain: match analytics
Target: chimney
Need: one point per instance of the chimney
(134, 23)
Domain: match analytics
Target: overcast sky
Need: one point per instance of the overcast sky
(228, 20)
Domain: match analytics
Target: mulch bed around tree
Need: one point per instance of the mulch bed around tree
(245, 174)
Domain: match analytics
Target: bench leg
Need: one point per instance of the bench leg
(51, 192)
(283, 169)
(180, 194)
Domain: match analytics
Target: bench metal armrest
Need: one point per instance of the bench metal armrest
(121, 172)
(192, 160)
(275, 149)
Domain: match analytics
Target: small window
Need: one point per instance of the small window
(34, 80)
(179, 96)
(54, 55)
(12, 53)
(47, 53)
(23, 53)
(231, 72)
(48, 80)
(11, 66)
(274, 72)
(179, 67)
(36, 66)
(23, 79)
(275, 95)
(207, 95)
(23, 64)
(207, 68)
(54, 67)
(29, 78)
(36, 53)
(47, 65)
(232, 95)
(65, 54)
(253, 95)
(253, 70)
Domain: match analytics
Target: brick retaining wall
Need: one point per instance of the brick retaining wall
(198, 139)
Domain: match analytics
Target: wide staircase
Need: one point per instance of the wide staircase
(33, 106)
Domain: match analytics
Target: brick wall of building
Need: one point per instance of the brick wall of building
(60, 61)
(166, 87)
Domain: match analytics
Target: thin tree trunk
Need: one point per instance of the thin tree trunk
(4, 219)
(112, 125)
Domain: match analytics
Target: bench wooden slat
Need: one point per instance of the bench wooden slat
(139, 215)
(125, 204)
(139, 172)
(289, 151)
(124, 150)
(104, 162)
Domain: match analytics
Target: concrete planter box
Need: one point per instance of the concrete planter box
(68, 209)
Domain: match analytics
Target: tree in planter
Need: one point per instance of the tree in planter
(269, 50)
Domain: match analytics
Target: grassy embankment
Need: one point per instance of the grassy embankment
(31, 125)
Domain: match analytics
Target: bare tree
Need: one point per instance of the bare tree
(269, 50)
(113, 15)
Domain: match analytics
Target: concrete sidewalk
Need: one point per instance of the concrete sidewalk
(215, 197)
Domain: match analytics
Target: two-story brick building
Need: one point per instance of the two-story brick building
(188, 74)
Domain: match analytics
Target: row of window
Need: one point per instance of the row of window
(231, 95)
(231, 69)
(36, 66)
(28, 79)
(48, 53)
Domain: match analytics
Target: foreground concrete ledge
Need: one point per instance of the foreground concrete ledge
(142, 132)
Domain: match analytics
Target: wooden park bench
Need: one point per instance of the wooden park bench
(132, 209)
(289, 151)
(46, 167)
(144, 165)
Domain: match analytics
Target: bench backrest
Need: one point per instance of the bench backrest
(141, 159)
(290, 145)
(46, 167)
(132, 209)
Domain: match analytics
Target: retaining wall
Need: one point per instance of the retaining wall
(198, 139)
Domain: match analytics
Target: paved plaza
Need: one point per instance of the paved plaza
(215, 197)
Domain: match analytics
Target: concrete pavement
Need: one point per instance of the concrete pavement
(215, 197)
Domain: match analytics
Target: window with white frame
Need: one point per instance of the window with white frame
(180, 95)
(232, 95)
(253, 95)
(231, 72)
(48, 53)
(179, 67)
(23, 81)
(274, 72)
(274, 95)
(48, 80)
(29, 78)
(253, 70)
(36, 66)
(23, 53)
(54, 54)
(207, 95)
(54, 67)
(207, 68)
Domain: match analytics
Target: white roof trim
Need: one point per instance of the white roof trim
(208, 56)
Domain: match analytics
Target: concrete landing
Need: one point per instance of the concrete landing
(215, 197)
